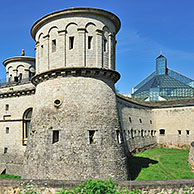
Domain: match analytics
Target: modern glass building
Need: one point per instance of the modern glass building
(164, 84)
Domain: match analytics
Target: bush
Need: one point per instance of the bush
(94, 187)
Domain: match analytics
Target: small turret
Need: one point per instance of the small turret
(19, 68)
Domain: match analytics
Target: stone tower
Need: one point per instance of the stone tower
(19, 68)
(75, 130)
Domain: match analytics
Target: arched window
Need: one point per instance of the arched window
(26, 124)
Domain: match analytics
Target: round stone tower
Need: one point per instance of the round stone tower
(75, 130)
(20, 68)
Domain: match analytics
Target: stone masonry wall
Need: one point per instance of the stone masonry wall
(11, 125)
(82, 27)
(13, 186)
(178, 125)
(138, 126)
(88, 105)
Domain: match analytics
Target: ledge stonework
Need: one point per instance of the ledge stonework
(18, 93)
(76, 71)
(13, 186)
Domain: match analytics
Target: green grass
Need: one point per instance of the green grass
(172, 164)
(9, 176)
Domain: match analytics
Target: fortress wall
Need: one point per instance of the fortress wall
(11, 125)
(178, 125)
(137, 124)
(181, 186)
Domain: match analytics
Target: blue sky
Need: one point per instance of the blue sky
(147, 28)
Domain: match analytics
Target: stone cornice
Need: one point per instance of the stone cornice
(17, 93)
(76, 71)
(20, 58)
(73, 12)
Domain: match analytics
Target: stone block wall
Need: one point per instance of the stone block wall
(14, 101)
(138, 126)
(52, 186)
(78, 37)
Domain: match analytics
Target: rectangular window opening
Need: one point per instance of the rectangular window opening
(179, 132)
(187, 131)
(7, 130)
(54, 45)
(7, 107)
(92, 137)
(162, 131)
(55, 136)
(105, 45)
(89, 42)
(130, 119)
(5, 150)
(71, 42)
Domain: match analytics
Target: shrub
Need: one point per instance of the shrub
(94, 187)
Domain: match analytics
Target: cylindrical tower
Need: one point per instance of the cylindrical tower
(75, 130)
(20, 68)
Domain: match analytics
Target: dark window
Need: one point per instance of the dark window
(89, 42)
(7, 107)
(150, 121)
(91, 137)
(130, 119)
(105, 45)
(7, 130)
(5, 150)
(4, 171)
(152, 133)
(179, 132)
(187, 131)
(132, 134)
(15, 79)
(140, 120)
(71, 42)
(142, 133)
(55, 136)
(162, 131)
(54, 45)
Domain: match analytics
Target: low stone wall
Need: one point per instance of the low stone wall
(13, 186)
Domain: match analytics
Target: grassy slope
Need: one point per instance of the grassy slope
(172, 164)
